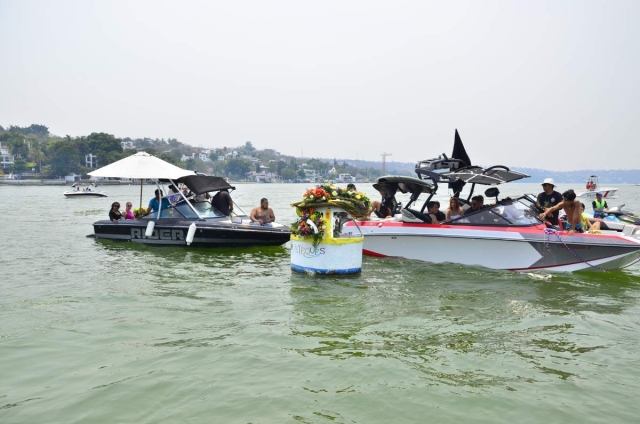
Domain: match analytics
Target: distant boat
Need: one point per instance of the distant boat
(593, 187)
(345, 178)
(77, 190)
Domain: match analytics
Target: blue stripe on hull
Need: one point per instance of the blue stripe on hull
(305, 269)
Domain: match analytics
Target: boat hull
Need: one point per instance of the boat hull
(607, 192)
(72, 194)
(172, 232)
(513, 248)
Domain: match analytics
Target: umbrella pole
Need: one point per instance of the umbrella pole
(141, 193)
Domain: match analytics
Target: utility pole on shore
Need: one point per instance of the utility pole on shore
(384, 161)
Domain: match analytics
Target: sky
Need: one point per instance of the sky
(541, 84)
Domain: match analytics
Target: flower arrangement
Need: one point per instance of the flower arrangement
(355, 203)
(139, 212)
(310, 225)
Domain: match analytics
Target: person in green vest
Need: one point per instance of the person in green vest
(599, 206)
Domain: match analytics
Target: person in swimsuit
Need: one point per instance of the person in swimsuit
(572, 208)
(263, 214)
(128, 213)
(586, 223)
(455, 210)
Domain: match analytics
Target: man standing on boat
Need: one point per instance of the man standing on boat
(263, 214)
(549, 198)
(222, 201)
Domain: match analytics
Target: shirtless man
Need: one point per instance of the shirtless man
(572, 208)
(263, 214)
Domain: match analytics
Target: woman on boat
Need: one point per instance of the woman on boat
(128, 213)
(455, 210)
(114, 213)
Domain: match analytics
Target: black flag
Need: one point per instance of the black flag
(459, 153)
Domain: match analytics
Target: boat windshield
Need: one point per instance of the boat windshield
(183, 210)
(505, 214)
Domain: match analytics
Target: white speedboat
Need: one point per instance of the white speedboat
(78, 190)
(505, 235)
(592, 187)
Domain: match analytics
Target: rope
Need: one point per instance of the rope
(549, 231)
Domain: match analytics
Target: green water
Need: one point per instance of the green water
(102, 332)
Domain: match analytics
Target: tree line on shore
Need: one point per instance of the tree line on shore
(38, 153)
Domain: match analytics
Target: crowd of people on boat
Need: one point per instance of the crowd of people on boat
(550, 203)
(261, 215)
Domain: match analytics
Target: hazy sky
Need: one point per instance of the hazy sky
(544, 84)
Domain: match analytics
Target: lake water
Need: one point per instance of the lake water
(102, 332)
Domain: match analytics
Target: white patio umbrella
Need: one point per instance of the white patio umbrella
(141, 166)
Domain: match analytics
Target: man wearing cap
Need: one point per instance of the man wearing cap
(599, 206)
(549, 198)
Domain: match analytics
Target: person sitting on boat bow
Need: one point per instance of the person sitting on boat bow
(599, 206)
(262, 215)
(571, 207)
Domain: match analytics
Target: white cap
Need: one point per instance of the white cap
(549, 181)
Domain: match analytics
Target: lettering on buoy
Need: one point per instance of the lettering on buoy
(308, 251)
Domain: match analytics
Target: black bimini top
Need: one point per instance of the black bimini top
(205, 183)
(490, 176)
(404, 184)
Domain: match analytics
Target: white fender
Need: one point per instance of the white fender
(191, 233)
(150, 226)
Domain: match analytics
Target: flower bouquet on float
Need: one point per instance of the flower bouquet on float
(317, 244)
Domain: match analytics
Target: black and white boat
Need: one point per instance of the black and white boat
(78, 190)
(185, 222)
(193, 223)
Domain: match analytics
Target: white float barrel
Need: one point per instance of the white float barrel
(342, 255)
(191, 233)
(150, 226)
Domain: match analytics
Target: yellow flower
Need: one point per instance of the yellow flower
(335, 193)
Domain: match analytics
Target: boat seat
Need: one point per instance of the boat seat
(412, 215)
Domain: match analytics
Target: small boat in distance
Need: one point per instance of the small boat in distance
(345, 178)
(593, 187)
(77, 190)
